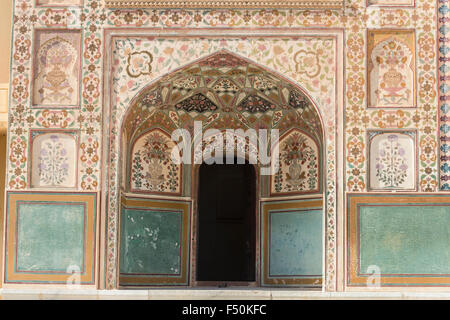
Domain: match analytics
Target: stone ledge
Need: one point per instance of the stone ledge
(209, 294)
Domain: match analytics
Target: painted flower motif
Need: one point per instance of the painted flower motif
(307, 62)
(391, 163)
(152, 168)
(53, 162)
(392, 138)
(156, 148)
(139, 63)
(295, 148)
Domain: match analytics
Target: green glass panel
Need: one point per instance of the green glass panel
(50, 236)
(150, 242)
(296, 243)
(405, 239)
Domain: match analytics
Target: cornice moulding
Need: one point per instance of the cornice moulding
(227, 4)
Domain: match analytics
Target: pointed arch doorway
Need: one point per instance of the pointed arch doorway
(161, 212)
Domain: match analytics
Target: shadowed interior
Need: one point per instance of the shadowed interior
(227, 219)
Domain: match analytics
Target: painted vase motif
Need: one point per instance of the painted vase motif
(391, 75)
(151, 166)
(56, 83)
(155, 175)
(295, 175)
(392, 81)
(298, 165)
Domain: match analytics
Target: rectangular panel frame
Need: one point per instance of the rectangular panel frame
(354, 202)
(148, 280)
(34, 67)
(369, 34)
(266, 207)
(370, 134)
(411, 4)
(88, 272)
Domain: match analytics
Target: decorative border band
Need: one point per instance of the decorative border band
(215, 4)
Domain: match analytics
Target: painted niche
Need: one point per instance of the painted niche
(152, 168)
(54, 159)
(392, 160)
(57, 68)
(391, 69)
(299, 165)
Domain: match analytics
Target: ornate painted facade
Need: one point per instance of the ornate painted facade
(358, 91)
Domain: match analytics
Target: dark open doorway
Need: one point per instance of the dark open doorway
(226, 223)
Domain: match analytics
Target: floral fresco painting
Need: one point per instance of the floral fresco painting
(54, 158)
(152, 168)
(299, 161)
(392, 160)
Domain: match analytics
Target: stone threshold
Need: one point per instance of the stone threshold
(209, 294)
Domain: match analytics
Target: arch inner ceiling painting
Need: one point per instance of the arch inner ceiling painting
(224, 91)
